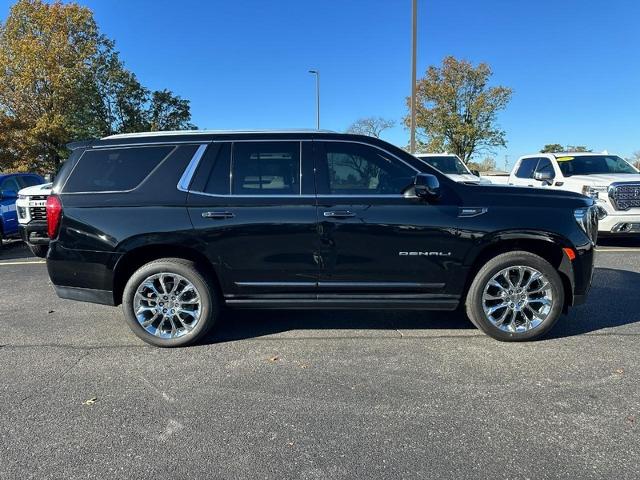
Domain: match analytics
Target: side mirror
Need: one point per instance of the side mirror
(546, 177)
(475, 172)
(426, 186)
(8, 194)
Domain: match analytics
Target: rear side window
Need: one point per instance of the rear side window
(266, 168)
(526, 168)
(114, 169)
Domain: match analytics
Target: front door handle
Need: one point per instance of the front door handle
(217, 215)
(339, 214)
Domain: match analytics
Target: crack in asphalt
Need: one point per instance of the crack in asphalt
(56, 381)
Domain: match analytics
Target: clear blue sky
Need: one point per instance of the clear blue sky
(574, 65)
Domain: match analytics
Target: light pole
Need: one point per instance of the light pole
(317, 74)
(414, 28)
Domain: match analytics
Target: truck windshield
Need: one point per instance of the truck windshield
(449, 165)
(593, 165)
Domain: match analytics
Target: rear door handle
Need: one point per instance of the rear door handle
(217, 215)
(339, 214)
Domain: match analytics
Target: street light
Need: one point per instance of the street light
(317, 74)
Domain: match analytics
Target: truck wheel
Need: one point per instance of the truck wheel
(515, 296)
(170, 303)
(39, 250)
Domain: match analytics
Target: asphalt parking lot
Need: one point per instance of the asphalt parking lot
(319, 395)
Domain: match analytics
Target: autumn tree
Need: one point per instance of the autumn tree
(371, 126)
(456, 109)
(62, 80)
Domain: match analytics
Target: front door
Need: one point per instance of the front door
(252, 204)
(378, 242)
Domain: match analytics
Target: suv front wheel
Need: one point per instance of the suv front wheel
(515, 296)
(169, 303)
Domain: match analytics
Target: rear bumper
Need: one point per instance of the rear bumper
(83, 275)
(34, 233)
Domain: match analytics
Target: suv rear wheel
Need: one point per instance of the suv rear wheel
(170, 303)
(515, 296)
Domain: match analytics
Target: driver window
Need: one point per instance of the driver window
(544, 165)
(356, 169)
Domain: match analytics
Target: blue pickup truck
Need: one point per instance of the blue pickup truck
(10, 184)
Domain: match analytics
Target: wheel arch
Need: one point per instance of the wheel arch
(547, 246)
(137, 257)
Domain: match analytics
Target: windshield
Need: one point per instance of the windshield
(593, 165)
(450, 164)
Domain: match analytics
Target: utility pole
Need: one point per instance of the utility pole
(317, 74)
(414, 29)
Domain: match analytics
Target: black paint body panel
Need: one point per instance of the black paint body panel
(282, 252)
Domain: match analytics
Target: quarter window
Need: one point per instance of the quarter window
(10, 184)
(526, 168)
(355, 169)
(266, 168)
(114, 169)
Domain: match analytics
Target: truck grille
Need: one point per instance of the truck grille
(38, 213)
(625, 195)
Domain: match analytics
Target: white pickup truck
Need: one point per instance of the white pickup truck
(610, 180)
(452, 167)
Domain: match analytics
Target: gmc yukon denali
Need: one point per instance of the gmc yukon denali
(177, 225)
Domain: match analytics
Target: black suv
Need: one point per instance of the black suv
(177, 225)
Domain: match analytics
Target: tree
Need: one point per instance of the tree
(62, 80)
(552, 148)
(456, 110)
(169, 112)
(557, 148)
(371, 126)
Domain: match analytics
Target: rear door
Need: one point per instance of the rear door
(252, 204)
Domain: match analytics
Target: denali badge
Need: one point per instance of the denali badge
(425, 254)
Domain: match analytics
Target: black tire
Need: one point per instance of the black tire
(39, 250)
(209, 300)
(474, 300)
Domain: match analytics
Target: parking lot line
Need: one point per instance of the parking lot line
(29, 262)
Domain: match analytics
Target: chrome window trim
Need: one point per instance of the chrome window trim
(189, 177)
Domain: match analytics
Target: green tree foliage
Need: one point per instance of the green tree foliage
(556, 148)
(552, 148)
(371, 126)
(62, 80)
(456, 109)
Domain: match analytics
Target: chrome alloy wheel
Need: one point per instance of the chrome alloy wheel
(517, 299)
(167, 305)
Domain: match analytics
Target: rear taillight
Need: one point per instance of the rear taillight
(54, 213)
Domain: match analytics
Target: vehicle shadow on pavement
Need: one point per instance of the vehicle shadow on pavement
(612, 302)
(13, 250)
(244, 324)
